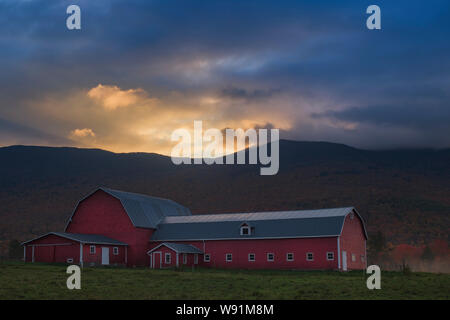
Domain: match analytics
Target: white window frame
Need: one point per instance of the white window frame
(273, 257)
(353, 257)
(249, 230)
(69, 260)
(196, 258)
(287, 256)
(92, 251)
(167, 255)
(254, 257)
(116, 251)
(184, 258)
(206, 257)
(226, 257)
(332, 256)
(312, 256)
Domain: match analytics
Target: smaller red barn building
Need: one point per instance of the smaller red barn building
(75, 248)
(110, 227)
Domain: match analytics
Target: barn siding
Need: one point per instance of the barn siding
(52, 248)
(280, 247)
(352, 241)
(103, 214)
(43, 252)
(173, 262)
(96, 258)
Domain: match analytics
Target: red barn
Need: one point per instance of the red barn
(110, 227)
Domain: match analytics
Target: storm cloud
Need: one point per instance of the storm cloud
(137, 70)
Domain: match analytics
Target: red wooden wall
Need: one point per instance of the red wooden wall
(103, 214)
(353, 242)
(240, 249)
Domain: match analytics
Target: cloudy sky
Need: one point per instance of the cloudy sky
(137, 70)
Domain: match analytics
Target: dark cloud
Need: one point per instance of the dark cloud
(14, 133)
(311, 61)
(241, 93)
(421, 117)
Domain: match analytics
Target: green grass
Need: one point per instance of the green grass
(44, 281)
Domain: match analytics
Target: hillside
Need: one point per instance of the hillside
(403, 193)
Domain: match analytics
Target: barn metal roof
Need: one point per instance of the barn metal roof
(83, 238)
(179, 248)
(267, 215)
(144, 211)
(276, 224)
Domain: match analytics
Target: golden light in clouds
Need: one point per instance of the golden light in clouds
(130, 120)
(83, 133)
(112, 97)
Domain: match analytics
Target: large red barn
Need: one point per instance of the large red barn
(110, 227)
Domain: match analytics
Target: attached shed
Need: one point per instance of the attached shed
(169, 254)
(75, 248)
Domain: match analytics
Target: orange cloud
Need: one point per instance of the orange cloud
(82, 133)
(112, 97)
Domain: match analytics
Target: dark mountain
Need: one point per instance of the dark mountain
(403, 193)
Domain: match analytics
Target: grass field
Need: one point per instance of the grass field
(43, 281)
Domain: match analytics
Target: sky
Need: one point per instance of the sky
(138, 70)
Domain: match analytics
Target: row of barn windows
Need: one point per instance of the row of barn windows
(251, 257)
(271, 257)
(92, 250)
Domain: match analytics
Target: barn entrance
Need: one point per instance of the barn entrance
(105, 256)
(156, 260)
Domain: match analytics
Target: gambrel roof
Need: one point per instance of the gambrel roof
(144, 211)
(265, 225)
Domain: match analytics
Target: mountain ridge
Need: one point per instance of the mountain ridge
(403, 193)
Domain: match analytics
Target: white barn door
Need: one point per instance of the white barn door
(105, 256)
(344, 260)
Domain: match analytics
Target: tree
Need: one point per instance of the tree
(377, 242)
(15, 250)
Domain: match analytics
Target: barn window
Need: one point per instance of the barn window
(353, 257)
(115, 251)
(362, 258)
(168, 258)
(251, 257)
(330, 256)
(184, 258)
(289, 257)
(196, 258)
(206, 257)
(309, 256)
(245, 230)
(352, 215)
(270, 257)
(92, 249)
(69, 260)
(229, 257)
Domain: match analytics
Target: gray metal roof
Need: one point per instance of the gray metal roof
(277, 224)
(144, 211)
(83, 238)
(179, 248)
(267, 215)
